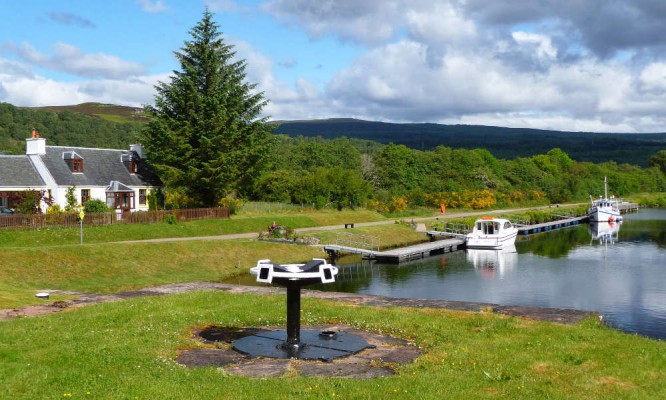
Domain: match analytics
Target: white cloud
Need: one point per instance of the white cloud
(543, 46)
(23, 88)
(368, 21)
(71, 59)
(153, 7)
(653, 77)
(456, 64)
(520, 64)
(221, 5)
(285, 101)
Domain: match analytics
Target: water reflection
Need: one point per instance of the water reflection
(554, 244)
(604, 232)
(491, 264)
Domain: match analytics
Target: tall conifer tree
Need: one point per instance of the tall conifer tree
(206, 138)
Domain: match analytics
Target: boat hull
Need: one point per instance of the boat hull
(601, 214)
(491, 241)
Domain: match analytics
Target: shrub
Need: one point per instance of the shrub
(54, 209)
(28, 202)
(232, 203)
(71, 205)
(398, 204)
(95, 206)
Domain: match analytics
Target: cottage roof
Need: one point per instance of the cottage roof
(100, 167)
(18, 171)
(116, 186)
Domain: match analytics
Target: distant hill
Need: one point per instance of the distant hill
(113, 126)
(505, 143)
(85, 125)
(109, 112)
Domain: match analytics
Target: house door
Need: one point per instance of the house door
(123, 201)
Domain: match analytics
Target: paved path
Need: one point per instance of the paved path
(252, 235)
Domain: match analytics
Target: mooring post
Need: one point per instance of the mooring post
(293, 317)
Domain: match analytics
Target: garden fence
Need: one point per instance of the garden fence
(34, 221)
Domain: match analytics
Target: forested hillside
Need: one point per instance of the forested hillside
(352, 172)
(110, 126)
(505, 143)
(62, 128)
(316, 171)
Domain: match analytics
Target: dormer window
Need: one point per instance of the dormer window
(131, 161)
(134, 166)
(74, 161)
(77, 165)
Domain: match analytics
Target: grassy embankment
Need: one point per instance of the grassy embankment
(126, 349)
(52, 258)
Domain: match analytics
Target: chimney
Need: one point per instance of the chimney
(35, 145)
(137, 148)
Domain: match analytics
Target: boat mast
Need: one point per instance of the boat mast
(605, 190)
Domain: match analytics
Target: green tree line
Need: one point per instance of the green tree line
(319, 172)
(346, 172)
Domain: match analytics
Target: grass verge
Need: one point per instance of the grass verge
(237, 224)
(126, 350)
(108, 268)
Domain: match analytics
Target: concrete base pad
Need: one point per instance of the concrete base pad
(379, 358)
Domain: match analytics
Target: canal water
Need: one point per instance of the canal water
(618, 270)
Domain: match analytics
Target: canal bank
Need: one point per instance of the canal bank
(558, 315)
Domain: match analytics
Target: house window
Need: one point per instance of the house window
(134, 166)
(120, 200)
(142, 197)
(77, 165)
(85, 195)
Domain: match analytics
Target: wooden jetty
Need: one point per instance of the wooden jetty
(396, 256)
(626, 207)
(522, 229)
(549, 226)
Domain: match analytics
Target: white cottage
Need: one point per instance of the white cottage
(121, 178)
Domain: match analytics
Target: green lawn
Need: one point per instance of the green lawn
(108, 268)
(126, 350)
(236, 224)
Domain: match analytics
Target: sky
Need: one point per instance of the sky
(570, 65)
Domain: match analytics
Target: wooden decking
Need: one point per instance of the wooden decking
(626, 207)
(402, 254)
(549, 226)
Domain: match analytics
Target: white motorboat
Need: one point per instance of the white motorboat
(604, 209)
(491, 233)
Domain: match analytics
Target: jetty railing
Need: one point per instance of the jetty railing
(357, 241)
(457, 228)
